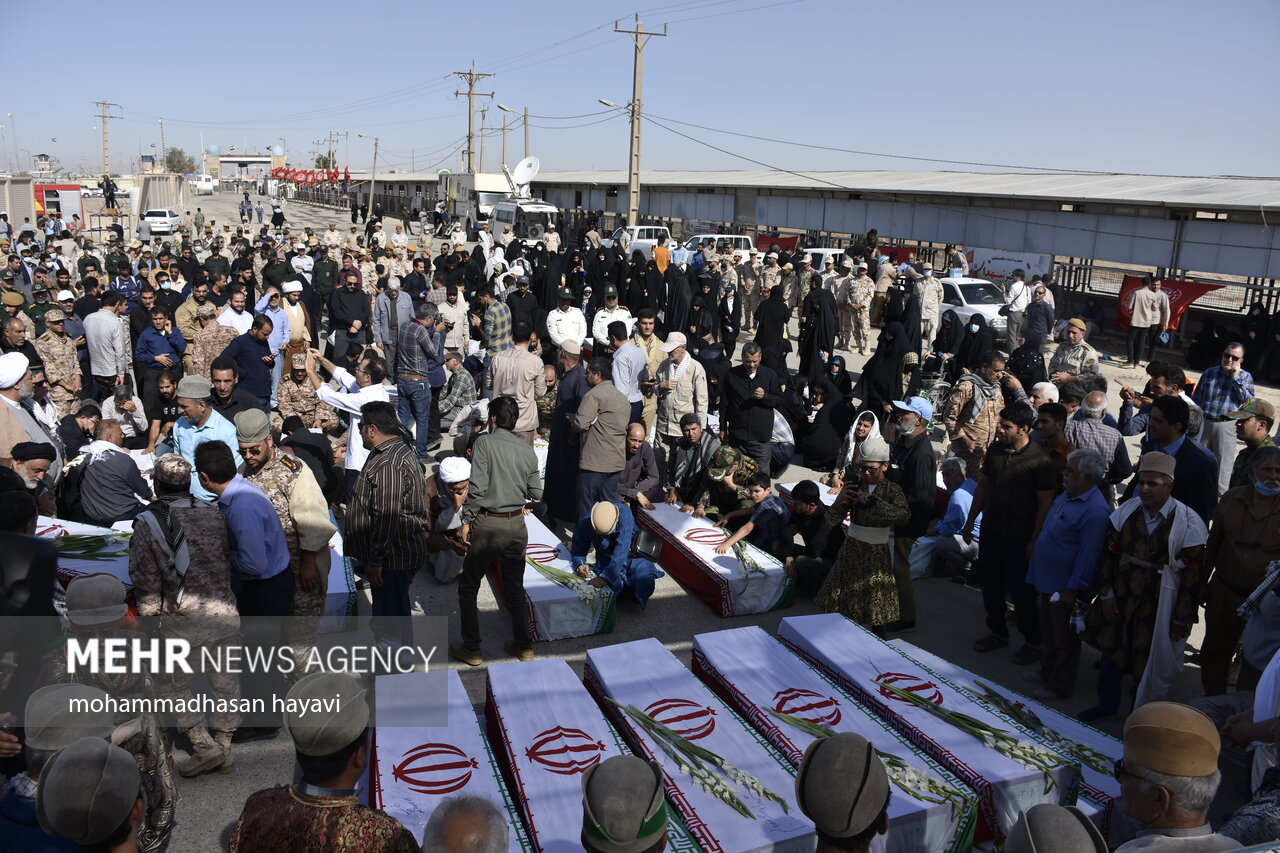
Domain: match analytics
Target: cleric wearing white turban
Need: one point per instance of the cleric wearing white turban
(13, 366)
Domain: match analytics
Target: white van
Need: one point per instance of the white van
(735, 242)
(527, 218)
(204, 185)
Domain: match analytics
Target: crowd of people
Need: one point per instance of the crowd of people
(288, 385)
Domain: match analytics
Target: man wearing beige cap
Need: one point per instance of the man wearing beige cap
(61, 362)
(1254, 422)
(323, 812)
(1168, 777)
(1051, 828)
(749, 270)
(297, 397)
(210, 341)
(1149, 584)
(304, 515)
(843, 787)
(681, 389)
(1074, 359)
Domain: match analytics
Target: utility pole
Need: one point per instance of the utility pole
(637, 85)
(472, 77)
(484, 113)
(373, 172)
(504, 138)
(525, 120)
(164, 161)
(106, 148)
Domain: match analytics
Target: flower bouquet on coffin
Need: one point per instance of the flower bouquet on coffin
(711, 772)
(589, 594)
(92, 547)
(910, 780)
(1027, 718)
(748, 563)
(1024, 752)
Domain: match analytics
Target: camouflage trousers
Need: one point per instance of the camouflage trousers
(304, 616)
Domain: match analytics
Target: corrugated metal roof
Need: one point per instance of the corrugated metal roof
(1213, 193)
(1217, 193)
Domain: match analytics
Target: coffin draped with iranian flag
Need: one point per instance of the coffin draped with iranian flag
(859, 662)
(644, 674)
(339, 604)
(415, 767)
(546, 731)
(1098, 785)
(556, 612)
(754, 673)
(688, 553)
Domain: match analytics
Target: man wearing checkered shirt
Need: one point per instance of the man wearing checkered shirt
(1221, 391)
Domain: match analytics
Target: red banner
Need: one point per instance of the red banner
(1181, 295)
(785, 244)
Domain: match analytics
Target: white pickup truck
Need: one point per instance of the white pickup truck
(643, 238)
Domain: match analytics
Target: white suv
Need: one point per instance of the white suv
(162, 220)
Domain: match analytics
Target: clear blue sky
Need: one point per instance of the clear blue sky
(1170, 86)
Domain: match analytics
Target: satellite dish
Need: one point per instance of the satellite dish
(443, 172)
(525, 171)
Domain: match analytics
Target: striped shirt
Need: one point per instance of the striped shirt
(387, 522)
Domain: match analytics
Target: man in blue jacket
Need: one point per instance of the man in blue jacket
(254, 359)
(611, 528)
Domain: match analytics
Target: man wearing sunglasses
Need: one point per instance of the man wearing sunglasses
(1221, 391)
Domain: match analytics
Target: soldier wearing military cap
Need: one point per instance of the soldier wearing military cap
(62, 368)
(304, 514)
(90, 795)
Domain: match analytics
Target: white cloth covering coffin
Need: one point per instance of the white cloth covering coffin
(414, 768)
(646, 675)
(754, 673)
(546, 731)
(556, 612)
(1100, 790)
(855, 659)
(688, 553)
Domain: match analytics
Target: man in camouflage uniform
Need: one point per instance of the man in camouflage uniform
(885, 279)
(61, 364)
(41, 303)
(180, 545)
(210, 341)
(770, 276)
(929, 290)
(841, 287)
(297, 397)
(804, 274)
(749, 290)
(304, 515)
(863, 292)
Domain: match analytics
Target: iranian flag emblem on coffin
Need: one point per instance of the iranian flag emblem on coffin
(1097, 752)
(547, 730)
(755, 674)
(414, 768)
(652, 685)
(558, 605)
(1007, 771)
(728, 587)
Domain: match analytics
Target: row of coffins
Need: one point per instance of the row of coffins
(729, 735)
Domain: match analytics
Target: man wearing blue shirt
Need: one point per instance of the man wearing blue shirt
(1063, 561)
(272, 305)
(255, 359)
(260, 573)
(957, 555)
(198, 424)
(629, 367)
(160, 347)
(1221, 391)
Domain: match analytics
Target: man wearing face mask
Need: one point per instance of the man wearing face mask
(1243, 539)
(915, 470)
